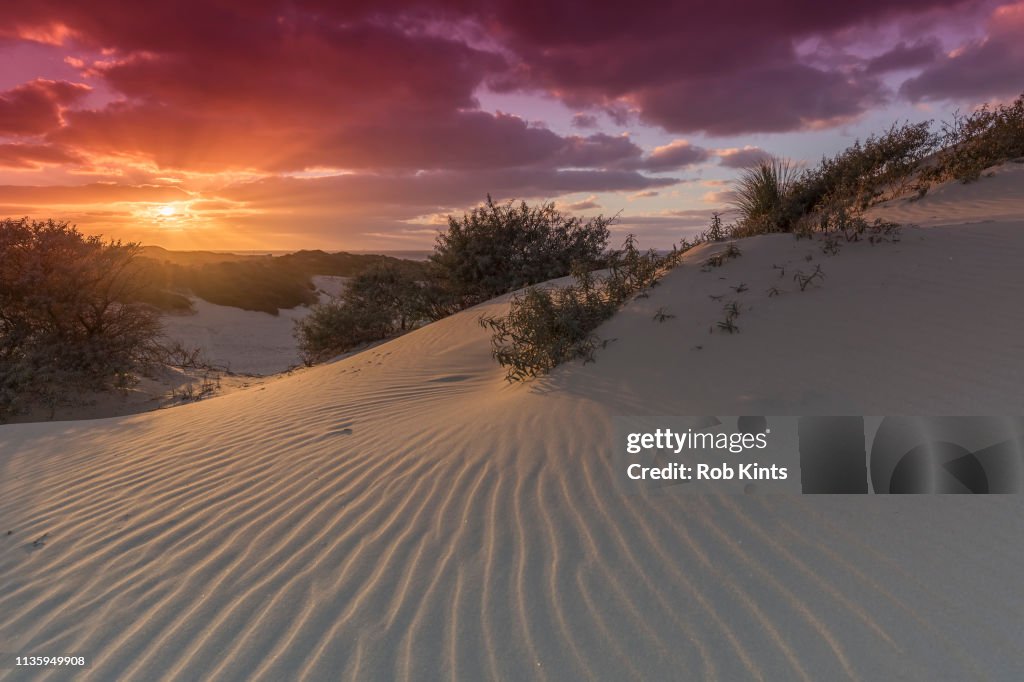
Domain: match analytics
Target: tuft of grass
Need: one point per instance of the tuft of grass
(760, 196)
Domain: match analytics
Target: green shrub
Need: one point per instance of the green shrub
(546, 327)
(497, 248)
(549, 325)
(70, 317)
(380, 303)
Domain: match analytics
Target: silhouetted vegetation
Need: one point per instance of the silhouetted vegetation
(761, 196)
(381, 302)
(773, 197)
(492, 250)
(497, 248)
(501, 247)
(260, 283)
(974, 142)
(71, 315)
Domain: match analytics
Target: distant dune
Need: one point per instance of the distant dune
(245, 341)
(404, 513)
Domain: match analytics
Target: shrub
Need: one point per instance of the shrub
(381, 302)
(773, 197)
(546, 326)
(631, 270)
(497, 248)
(980, 140)
(70, 316)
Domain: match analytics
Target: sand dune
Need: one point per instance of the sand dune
(405, 514)
(246, 341)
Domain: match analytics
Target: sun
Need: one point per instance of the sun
(166, 210)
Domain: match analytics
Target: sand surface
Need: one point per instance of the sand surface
(404, 513)
(246, 341)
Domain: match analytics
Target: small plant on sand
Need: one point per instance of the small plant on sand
(177, 354)
(718, 260)
(732, 311)
(883, 231)
(831, 246)
(773, 292)
(740, 288)
(804, 280)
(727, 325)
(661, 315)
(716, 231)
(191, 392)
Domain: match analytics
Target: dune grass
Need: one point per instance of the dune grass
(774, 196)
(760, 195)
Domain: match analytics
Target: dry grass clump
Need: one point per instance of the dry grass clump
(760, 196)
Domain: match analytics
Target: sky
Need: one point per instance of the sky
(278, 125)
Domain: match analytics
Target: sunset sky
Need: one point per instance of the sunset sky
(267, 124)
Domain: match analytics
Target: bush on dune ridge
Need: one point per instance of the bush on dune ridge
(772, 197)
(497, 248)
(977, 141)
(492, 250)
(547, 326)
